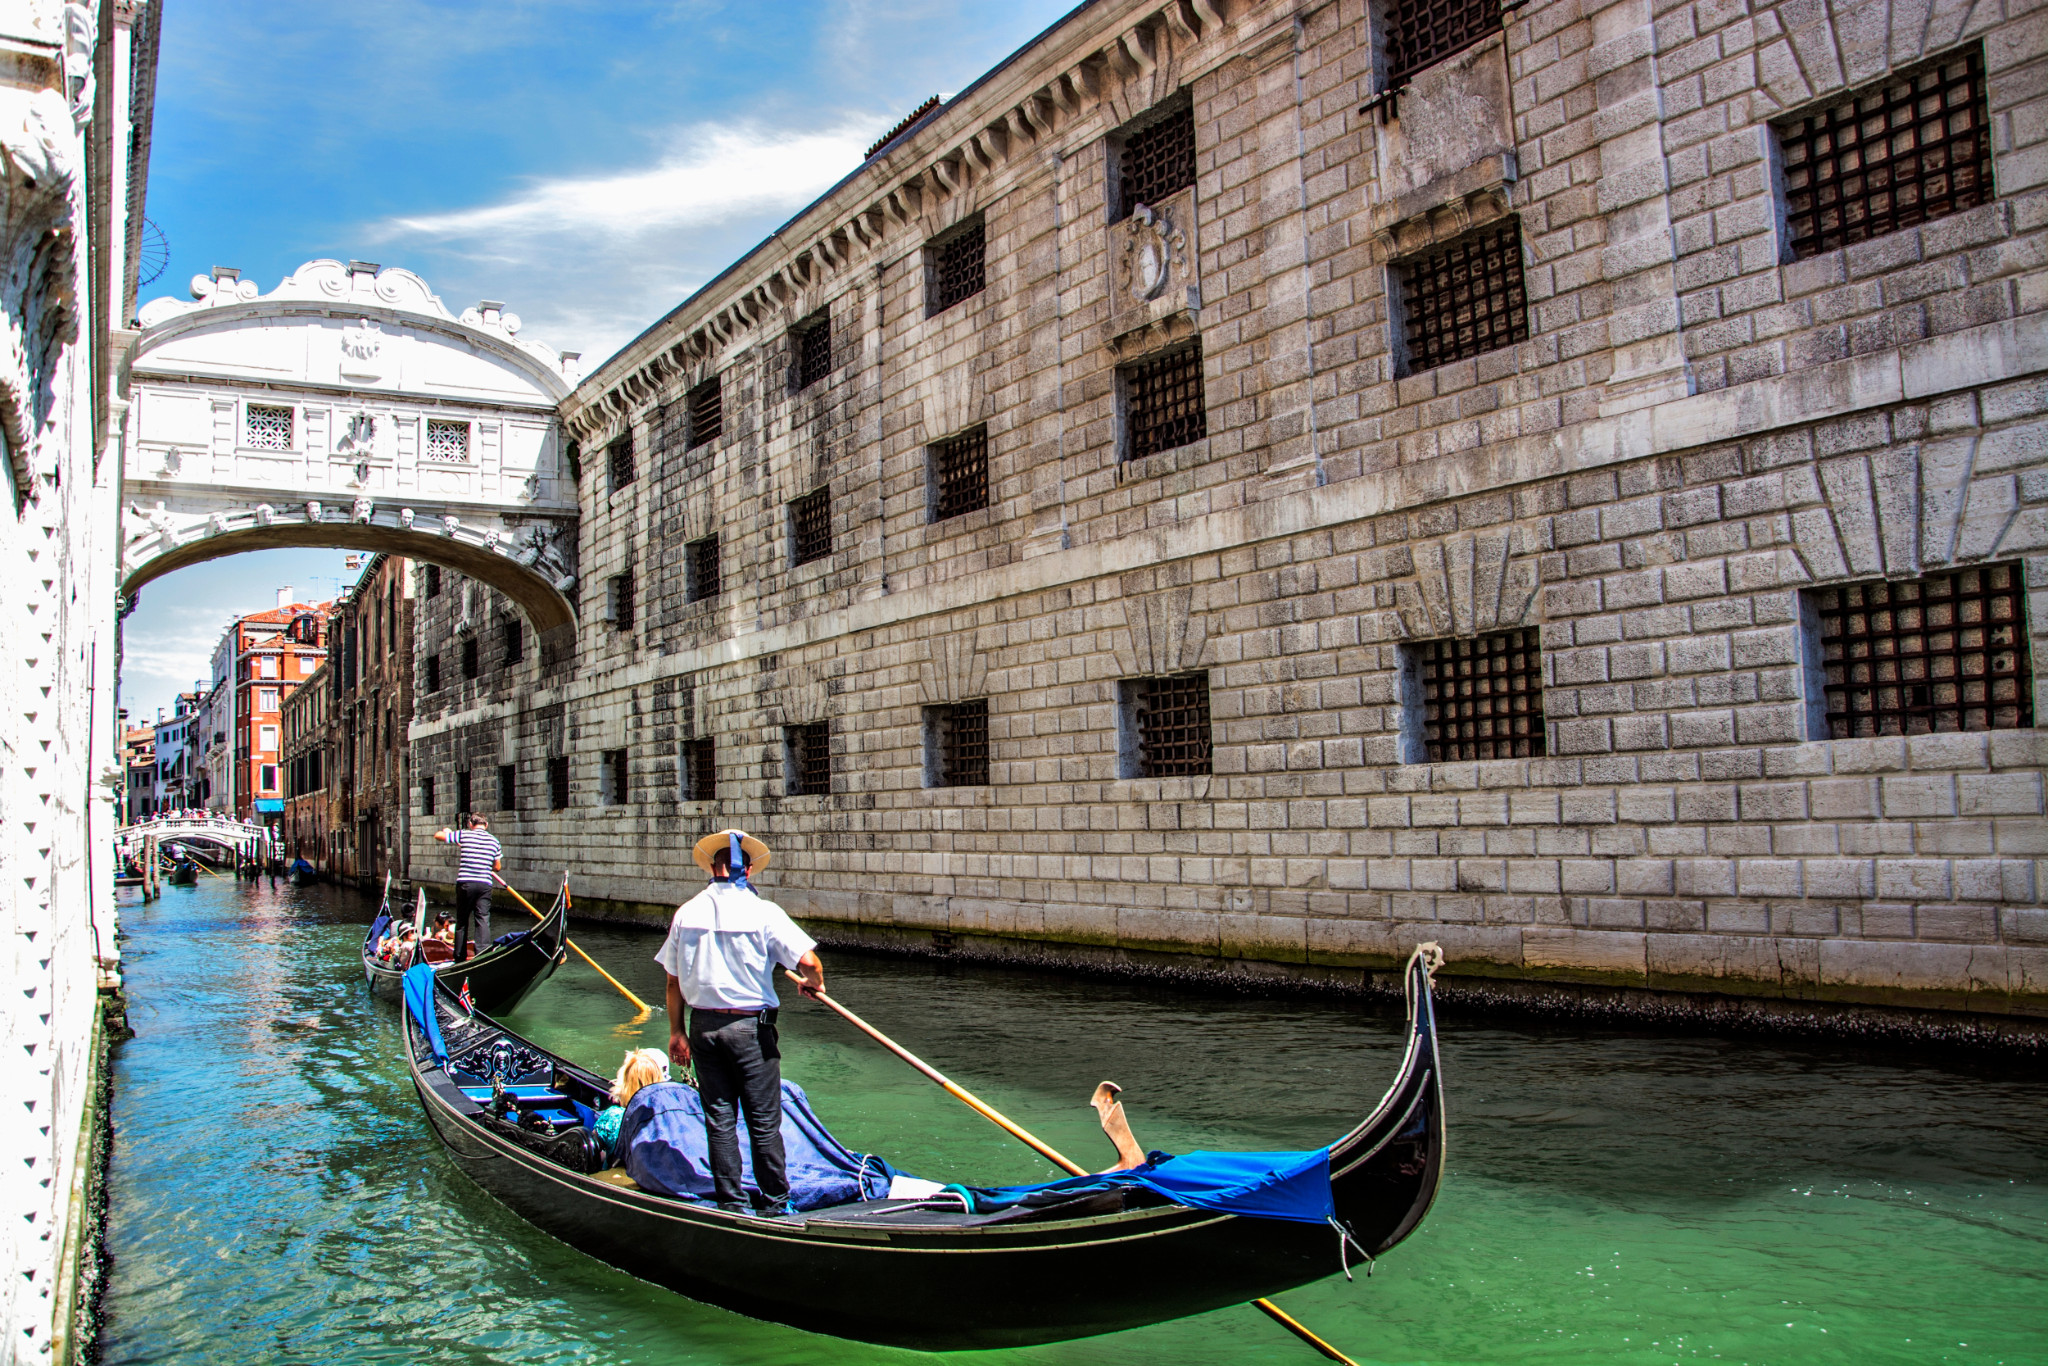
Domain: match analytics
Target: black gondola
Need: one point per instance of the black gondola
(501, 975)
(902, 1272)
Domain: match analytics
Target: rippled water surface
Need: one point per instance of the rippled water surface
(277, 1197)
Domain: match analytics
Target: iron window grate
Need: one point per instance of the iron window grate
(810, 759)
(558, 782)
(514, 640)
(1945, 652)
(1464, 298)
(1482, 697)
(447, 441)
(619, 459)
(619, 601)
(1158, 161)
(1163, 402)
(618, 777)
(963, 743)
(959, 474)
(810, 526)
(1915, 147)
(700, 569)
(1173, 725)
(508, 787)
(462, 806)
(814, 351)
(433, 673)
(471, 658)
(433, 580)
(267, 428)
(1421, 33)
(959, 266)
(707, 412)
(700, 769)
(426, 796)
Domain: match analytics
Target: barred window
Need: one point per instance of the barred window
(1464, 298)
(514, 637)
(1913, 147)
(810, 527)
(471, 661)
(699, 763)
(433, 580)
(1165, 726)
(700, 569)
(813, 349)
(1482, 697)
(1421, 33)
(462, 806)
(1944, 652)
(956, 474)
(508, 787)
(1163, 403)
(956, 744)
(618, 601)
(707, 412)
(956, 266)
(267, 427)
(433, 673)
(619, 461)
(1158, 160)
(558, 782)
(614, 778)
(447, 441)
(809, 767)
(426, 794)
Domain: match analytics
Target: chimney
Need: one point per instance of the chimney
(284, 596)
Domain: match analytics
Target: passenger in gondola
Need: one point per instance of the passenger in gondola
(643, 1067)
(723, 950)
(397, 944)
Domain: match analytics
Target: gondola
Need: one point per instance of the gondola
(503, 972)
(909, 1273)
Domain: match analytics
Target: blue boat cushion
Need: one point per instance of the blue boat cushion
(665, 1150)
(419, 1003)
(1282, 1185)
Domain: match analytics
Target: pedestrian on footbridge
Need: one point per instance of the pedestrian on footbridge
(482, 856)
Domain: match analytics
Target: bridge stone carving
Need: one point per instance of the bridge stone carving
(349, 407)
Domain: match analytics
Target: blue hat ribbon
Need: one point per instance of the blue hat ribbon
(736, 863)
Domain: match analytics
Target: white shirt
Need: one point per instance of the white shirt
(725, 945)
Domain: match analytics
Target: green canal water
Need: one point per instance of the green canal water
(276, 1196)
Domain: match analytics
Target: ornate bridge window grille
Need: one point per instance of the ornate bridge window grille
(619, 462)
(700, 569)
(1167, 726)
(1163, 402)
(810, 759)
(508, 787)
(1158, 160)
(957, 474)
(267, 427)
(810, 527)
(1911, 148)
(558, 783)
(700, 770)
(447, 441)
(1421, 33)
(813, 349)
(957, 740)
(956, 266)
(1464, 298)
(1945, 652)
(1482, 698)
(707, 413)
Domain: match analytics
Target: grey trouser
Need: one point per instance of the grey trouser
(739, 1059)
(472, 906)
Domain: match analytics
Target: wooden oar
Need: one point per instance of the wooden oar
(996, 1117)
(644, 1009)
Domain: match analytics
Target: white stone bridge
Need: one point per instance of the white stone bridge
(228, 834)
(350, 408)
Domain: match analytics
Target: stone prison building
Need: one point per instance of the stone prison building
(1246, 487)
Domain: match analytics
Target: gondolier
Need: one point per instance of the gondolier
(722, 952)
(482, 856)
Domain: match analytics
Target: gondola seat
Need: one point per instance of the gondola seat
(434, 951)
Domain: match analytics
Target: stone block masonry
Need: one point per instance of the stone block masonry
(1692, 431)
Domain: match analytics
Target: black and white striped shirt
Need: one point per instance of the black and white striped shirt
(479, 851)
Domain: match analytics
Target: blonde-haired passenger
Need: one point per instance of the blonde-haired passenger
(642, 1067)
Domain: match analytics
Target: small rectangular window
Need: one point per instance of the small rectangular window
(1163, 402)
(426, 796)
(267, 427)
(462, 806)
(558, 782)
(1944, 652)
(619, 462)
(266, 739)
(1477, 697)
(433, 673)
(508, 787)
(618, 601)
(433, 580)
(700, 569)
(471, 665)
(1158, 159)
(269, 779)
(956, 744)
(266, 699)
(615, 778)
(955, 266)
(699, 765)
(1421, 33)
(810, 527)
(956, 474)
(1911, 148)
(813, 349)
(1463, 298)
(514, 636)
(447, 442)
(707, 413)
(807, 768)
(1163, 726)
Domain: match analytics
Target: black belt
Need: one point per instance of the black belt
(766, 1015)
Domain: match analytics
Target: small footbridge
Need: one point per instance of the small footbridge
(220, 832)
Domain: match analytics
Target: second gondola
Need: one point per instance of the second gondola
(501, 975)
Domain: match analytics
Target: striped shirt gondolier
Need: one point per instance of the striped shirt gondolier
(480, 849)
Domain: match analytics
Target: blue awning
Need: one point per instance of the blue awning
(274, 805)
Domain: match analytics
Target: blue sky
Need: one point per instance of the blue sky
(588, 164)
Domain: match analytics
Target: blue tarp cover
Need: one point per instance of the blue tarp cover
(665, 1149)
(1286, 1185)
(419, 999)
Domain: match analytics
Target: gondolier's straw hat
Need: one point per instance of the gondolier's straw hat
(756, 852)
